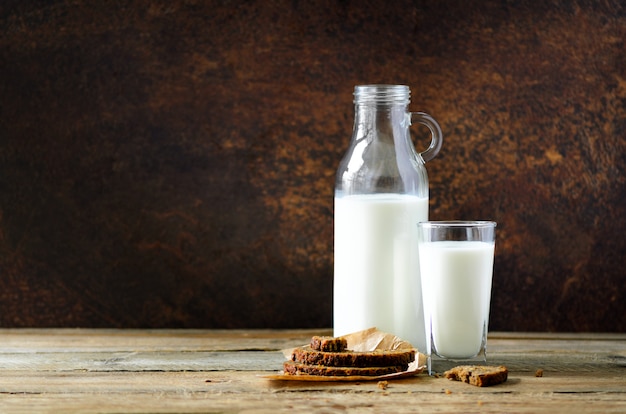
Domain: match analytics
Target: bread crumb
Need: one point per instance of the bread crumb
(448, 391)
(479, 375)
(383, 385)
(539, 373)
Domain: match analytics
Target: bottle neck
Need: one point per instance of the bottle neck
(380, 107)
(381, 157)
(381, 121)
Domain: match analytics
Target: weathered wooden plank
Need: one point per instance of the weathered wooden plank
(71, 340)
(142, 361)
(262, 361)
(106, 350)
(222, 371)
(243, 391)
(271, 404)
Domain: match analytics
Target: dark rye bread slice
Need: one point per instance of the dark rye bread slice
(481, 376)
(295, 368)
(328, 344)
(379, 358)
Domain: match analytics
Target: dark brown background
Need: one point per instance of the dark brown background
(171, 163)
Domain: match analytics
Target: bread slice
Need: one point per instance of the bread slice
(296, 368)
(379, 358)
(328, 344)
(481, 376)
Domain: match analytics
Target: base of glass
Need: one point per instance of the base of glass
(438, 365)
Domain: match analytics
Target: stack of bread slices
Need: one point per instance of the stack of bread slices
(329, 356)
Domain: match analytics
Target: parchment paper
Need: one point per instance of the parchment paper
(363, 341)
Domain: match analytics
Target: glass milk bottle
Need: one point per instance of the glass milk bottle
(381, 193)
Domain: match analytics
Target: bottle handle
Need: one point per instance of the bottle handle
(435, 133)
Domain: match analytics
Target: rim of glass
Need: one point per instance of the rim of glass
(457, 223)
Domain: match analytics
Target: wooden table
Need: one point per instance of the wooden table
(222, 371)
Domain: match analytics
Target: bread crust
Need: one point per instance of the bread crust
(329, 357)
(296, 368)
(329, 344)
(307, 355)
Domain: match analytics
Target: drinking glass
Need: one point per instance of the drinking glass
(456, 263)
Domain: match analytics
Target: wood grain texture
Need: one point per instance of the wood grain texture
(581, 374)
(171, 163)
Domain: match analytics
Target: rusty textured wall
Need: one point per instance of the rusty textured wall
(171, 163)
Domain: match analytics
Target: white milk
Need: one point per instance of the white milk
(456, 281)
(376, 281)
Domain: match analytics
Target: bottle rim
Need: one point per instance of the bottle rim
(382, 94)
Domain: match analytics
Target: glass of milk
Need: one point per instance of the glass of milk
(456, 263)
